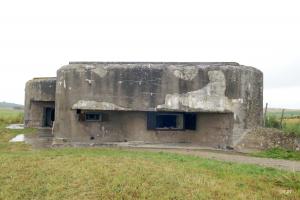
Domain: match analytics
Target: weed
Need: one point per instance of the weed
(292, 127)
(279, 153)
(272, 122)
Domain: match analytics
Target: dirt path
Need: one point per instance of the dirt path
(236, 158)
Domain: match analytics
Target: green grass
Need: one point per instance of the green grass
(10, 116)
(292, 113)
(292, 126)
(121, 174)
(103, 173)
(289, 125)
(98, 173)
(279, 153)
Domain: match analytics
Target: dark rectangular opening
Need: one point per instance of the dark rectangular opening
(93, 116)
(190, 121)
(49, 116)
(171, 121)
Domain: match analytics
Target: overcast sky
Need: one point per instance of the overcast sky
(37, 37)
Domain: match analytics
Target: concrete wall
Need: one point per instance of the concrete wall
(213, 130)
(216, 88)
(36, 113)
(39, 93)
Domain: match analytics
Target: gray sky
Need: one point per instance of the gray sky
(38, 37)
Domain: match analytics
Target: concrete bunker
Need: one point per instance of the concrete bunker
(40, 102)
(207, 104)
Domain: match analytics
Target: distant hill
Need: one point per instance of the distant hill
(287, 112)
(10, 105)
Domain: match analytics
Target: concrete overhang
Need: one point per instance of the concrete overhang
(96, 105)
(106, 106)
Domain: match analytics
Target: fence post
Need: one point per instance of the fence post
(282, 114)
(265, 115)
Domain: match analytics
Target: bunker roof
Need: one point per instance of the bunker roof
(171, 63)
(155, 65)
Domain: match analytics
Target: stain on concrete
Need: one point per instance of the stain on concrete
(210, 98)
(100, 71)
(185, 73)
(95, 105)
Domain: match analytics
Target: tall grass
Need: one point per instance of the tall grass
(272, 122)
(289, 125)
(10, 116)
(292, 125)
(278, 153)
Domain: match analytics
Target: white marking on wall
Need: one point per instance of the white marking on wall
(89, 81)
(89, 67)
(237, 100)
(96, 105)
(185, 73)
(100, 71)
(210, 98)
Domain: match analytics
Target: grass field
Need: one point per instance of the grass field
(98, 173)
(9, 116)
(120, 174)
(291, 125)
(291, 121)
(279, 153)
(288, 112)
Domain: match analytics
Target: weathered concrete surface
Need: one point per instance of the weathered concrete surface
(208, 89)
(131, 126)
(209, 98)
(41, 139)
(39, 93)
(95, 105)
(267, 138)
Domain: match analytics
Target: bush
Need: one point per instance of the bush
(272, 122)
(289, 125)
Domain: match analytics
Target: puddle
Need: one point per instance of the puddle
(18, 138)
(39, 140)
(15, 126)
